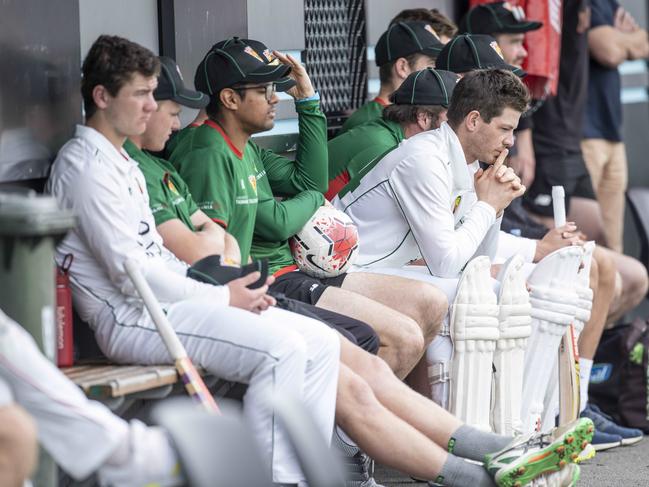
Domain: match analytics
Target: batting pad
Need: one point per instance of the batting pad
(554, 305)
(582, 315)
(474, 331)
(509, 357)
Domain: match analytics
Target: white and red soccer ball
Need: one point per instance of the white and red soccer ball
(327, 245)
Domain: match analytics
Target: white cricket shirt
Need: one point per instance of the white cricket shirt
(107, 192)
(420, 201)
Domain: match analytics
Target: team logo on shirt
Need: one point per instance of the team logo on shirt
(456, 204)
(170, 184)
(253, 182)
(494, 45)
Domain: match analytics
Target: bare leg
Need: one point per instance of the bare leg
(402, 341)
(602, 280)
(421, 413)
(381, 434)
(634, 284)
(418, 378)
(419, 300)
(18, 446)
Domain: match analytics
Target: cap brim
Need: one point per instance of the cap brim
(266, 73)
(191, 99)
(284, 84)
(520, 27)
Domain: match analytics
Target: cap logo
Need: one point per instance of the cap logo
(516, 10)
(250, 51)
(431, 30)
(494, 45)
(180, 75)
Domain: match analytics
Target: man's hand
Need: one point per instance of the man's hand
(303, 88)
(254, 300)
(498, 185)
(556, 239)
(624, 21)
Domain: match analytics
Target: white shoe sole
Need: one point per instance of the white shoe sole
(606, 446)
(632, 441)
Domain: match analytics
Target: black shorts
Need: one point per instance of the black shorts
(356, 331)
(565, 169)
(302, 287)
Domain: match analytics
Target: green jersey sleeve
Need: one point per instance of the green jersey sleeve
(279, 220)
(309, 170)
(210, 175)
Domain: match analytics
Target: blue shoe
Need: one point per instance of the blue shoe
(604, 441)
(604, 424)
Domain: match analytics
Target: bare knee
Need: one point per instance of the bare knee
(18, 445)
(605, 267)
(355, 399)
(432, 306)
(411, 340)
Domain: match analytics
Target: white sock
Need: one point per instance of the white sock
(585, 365)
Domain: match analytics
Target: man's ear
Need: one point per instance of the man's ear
(229, 99)
(401, 68)
(424, 121)
(100, 96)
(472, 120)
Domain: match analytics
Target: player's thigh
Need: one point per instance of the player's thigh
(587, 214)
(596, 155)
(404, 294)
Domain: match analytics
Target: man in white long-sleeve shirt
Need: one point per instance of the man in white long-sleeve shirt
(428, 198)
(275, 353)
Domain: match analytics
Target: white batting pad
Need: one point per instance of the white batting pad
(509, 357)
(582, 315)
(474, 330)
(554, 304)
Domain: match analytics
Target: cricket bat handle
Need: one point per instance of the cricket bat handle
(169, 337)
(559, 206)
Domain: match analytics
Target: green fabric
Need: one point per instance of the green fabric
(176, 139)
(169, 196)
(354, 149)
(366, 113)
(223, 184)
(301, 182)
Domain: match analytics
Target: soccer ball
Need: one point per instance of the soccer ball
(327, 245)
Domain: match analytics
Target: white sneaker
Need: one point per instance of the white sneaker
(567, 477)
(152, 461)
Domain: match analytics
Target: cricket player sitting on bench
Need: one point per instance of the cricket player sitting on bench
(392, 423)
(424, 188)
(405, 314)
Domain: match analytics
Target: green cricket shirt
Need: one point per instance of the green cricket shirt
(169, 196)
(177, 138)
(221, 179)
(359, 149)
(366, 113)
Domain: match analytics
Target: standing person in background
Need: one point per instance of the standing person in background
(614, 37)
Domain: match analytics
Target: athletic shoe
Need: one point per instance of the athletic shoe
(530, 456)
(605, 441)
(604, 424)
(151, 461)
(567, 477)
(587, 453)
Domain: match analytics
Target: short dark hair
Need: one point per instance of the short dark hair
(441, 24)
(385, 71)
(408, 113)
(111, 62)
(489, 91)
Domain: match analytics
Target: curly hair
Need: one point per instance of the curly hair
(111, 62)
(408, 113)
(488, 91)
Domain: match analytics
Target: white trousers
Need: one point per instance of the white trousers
(78, 433)
(277, 352)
